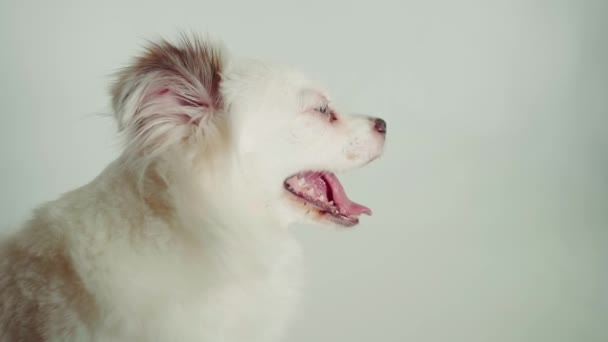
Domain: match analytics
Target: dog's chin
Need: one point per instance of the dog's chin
(321, 198)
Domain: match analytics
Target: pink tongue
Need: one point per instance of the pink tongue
(344, 204)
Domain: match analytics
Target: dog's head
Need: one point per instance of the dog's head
(248, 135)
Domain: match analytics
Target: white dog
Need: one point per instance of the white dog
(184, 237)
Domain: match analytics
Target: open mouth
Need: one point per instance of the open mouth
(323, 192)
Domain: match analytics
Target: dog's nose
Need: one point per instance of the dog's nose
(380, 125)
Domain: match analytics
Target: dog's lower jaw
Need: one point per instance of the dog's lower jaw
(147, 268)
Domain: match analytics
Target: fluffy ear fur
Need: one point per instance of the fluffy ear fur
(168, 94)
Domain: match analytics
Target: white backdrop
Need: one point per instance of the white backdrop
(491, 202)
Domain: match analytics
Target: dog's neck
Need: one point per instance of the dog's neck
(203, 196)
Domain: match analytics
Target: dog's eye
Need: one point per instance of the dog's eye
(323, 109)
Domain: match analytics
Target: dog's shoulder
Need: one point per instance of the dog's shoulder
(41, 294)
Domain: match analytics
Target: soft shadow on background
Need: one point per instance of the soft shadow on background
(491, 202)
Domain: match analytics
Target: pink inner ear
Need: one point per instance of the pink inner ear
(183, 102)
(190, 103)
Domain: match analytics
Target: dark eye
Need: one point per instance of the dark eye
(323, 109)
(328, 112)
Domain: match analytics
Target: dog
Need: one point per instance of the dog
(185, 236)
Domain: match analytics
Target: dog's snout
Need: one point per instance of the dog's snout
(379, 125)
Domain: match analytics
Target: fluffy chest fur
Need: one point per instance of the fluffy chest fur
(219, 298)
(241, 291)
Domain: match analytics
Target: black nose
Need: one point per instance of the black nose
(380, 125)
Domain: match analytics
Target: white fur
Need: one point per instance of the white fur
(185, 236)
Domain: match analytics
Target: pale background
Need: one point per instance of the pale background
(491, 202)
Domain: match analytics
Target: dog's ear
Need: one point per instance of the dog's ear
(168, 94)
